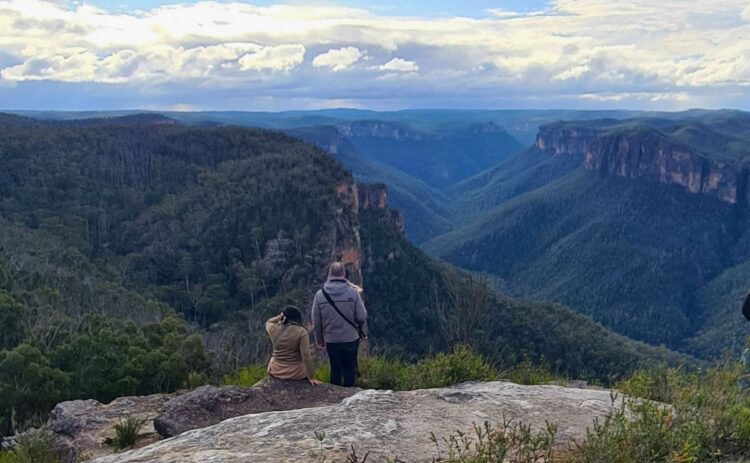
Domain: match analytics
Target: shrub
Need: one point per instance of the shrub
(446, 369)
(529, 373)
(708, 419)
(383, 373)
(35, 448)
(509, 442)
(127, 432)
(246, 376)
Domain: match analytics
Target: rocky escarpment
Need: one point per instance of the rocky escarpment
(380, 424)
(358, 197)
(375, 196)
(85, 428)
(380, 129)
(208, 405)
(643, 152)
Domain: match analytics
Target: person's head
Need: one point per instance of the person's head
(292, 315)
(337, 270)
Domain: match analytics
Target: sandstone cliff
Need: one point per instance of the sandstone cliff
(381, 424)
(645, 152)
(380, 129)
(356, 197)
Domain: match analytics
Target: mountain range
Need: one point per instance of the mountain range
(142, 255)
(634, 219)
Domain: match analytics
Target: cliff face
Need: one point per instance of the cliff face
(645, 153)
(347, 245)
(375, 196)
(379, 129)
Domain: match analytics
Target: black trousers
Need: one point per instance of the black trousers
(343, 358)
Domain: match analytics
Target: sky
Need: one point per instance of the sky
(269, 55)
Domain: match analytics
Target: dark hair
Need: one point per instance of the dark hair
(292, 315)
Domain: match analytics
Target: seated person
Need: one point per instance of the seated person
(291, 357)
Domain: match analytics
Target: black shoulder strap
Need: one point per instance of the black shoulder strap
(354, 325)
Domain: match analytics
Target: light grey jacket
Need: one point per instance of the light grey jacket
(329, 325)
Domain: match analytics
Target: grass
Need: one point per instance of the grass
(127, 432)
(439, 370)
(509, 442)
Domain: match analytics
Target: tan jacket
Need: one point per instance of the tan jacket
(291, 344)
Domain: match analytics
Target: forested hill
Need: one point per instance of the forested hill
(641, 224)
(110, 228)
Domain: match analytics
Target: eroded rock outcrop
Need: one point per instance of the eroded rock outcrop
(375, 196)
(382, 424)
(208, 405)
(645, 153)
(85, 428)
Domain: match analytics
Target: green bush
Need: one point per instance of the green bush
(31, 449)
(529, 373)
(446, 369)
(707, 419)
(382, 373)
(127, 432)
(509, 442)
(246, 376)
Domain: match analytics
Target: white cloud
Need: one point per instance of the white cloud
(399, 65)
(279, 58)
(576, 48)
(338, 59)
(572, 73)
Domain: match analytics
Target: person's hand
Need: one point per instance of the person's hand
(321, 345)
(314, 381)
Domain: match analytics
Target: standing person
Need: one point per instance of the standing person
(338, 314)
(291, 357)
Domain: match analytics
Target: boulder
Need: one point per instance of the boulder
(208, 405)
(85, 428)
(380, 424)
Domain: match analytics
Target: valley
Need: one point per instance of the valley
(139, 255)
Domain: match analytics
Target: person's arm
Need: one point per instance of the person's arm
(317, 322)
(304, 348)
(273, 322)
(361, 311)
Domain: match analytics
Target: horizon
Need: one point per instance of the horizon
(272, 56)
(382, 111)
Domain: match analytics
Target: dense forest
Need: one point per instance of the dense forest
(611, 235)
(138, 255)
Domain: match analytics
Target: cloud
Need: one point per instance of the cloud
(279, 58)
(338, 59)
(575, 50)
(399, 65)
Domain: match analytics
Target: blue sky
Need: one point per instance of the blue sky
(263, 55)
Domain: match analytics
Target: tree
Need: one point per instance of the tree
(12, 329)
(29, 384)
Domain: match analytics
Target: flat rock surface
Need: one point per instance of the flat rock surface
(208, 405)
(382, 423)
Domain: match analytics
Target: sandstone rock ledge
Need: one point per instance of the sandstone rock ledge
(382, 423)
